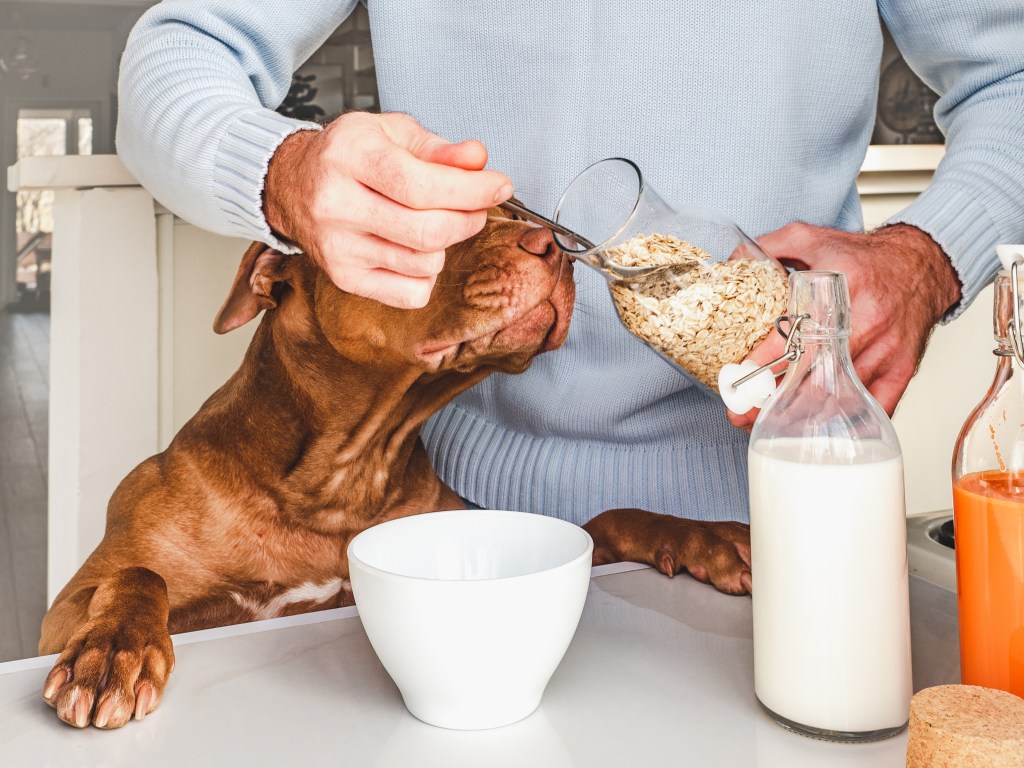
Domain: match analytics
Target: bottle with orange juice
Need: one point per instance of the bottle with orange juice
(988, 503)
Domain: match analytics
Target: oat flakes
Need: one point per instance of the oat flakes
(698, 313)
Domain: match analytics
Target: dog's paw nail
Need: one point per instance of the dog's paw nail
(103, 715)
(82, 709)
(667, 565)
(145, 697)
(110, 712)
(744, 552)
(57, 679)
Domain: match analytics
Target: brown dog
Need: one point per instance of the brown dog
(248, 513)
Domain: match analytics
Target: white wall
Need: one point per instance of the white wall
(954, 376)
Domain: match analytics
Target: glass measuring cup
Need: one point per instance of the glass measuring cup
(714, 293)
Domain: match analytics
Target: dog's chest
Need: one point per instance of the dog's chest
(243, 598)
(268, 601)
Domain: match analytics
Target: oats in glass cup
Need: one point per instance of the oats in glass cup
(700, 314)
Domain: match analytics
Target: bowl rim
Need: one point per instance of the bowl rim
(587, 552)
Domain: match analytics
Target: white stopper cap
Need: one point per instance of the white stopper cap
(1008, 254)
(751, 394)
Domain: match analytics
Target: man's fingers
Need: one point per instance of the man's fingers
(792, 241)
(885, 383)
(405, 262)
(375, 200)
(744, 421)
(771, 348)
(353, 208)
(886, 373)
(429, 230)
(387, 287)
(888, 390)
(353, 252)
(398, 174)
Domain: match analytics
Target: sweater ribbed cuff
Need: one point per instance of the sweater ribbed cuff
(963, 228)
(240, 171)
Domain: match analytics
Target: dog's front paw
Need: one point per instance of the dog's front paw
(715, 553)
(108, 672)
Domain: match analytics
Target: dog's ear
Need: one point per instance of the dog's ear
(253, 289)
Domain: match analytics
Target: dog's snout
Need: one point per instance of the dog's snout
(538, 241)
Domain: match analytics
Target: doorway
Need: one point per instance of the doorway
(42, 132)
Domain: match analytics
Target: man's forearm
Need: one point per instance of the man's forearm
(196, 93)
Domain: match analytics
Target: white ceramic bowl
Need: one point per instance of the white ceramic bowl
(471, 611)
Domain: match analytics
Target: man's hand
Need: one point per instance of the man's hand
(375, 200)
(901, 284)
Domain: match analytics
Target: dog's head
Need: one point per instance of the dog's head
(504, 296)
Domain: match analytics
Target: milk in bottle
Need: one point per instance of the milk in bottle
(828, 538)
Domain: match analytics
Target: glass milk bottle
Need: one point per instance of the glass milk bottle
(988, 504)
(828, 537)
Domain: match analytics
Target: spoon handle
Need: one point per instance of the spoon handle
(518, 209)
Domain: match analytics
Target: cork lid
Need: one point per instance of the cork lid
(966, 726)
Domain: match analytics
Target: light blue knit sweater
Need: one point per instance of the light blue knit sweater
(760, 108)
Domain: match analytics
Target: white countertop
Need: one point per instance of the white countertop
(660, 672)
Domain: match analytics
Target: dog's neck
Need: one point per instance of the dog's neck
(337, 441)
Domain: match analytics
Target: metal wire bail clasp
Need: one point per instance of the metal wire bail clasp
(793, 348)
(1016, 337)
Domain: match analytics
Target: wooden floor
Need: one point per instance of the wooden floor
(24, 396)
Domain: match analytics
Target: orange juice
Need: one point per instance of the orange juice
(989, 519)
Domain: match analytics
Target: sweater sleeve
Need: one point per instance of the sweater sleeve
(972, 55)
(197, 87)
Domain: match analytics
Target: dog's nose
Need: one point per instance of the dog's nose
(538, 241)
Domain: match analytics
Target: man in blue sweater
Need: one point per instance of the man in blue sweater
(762, 110)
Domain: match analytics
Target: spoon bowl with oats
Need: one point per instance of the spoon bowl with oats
(582, 249)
